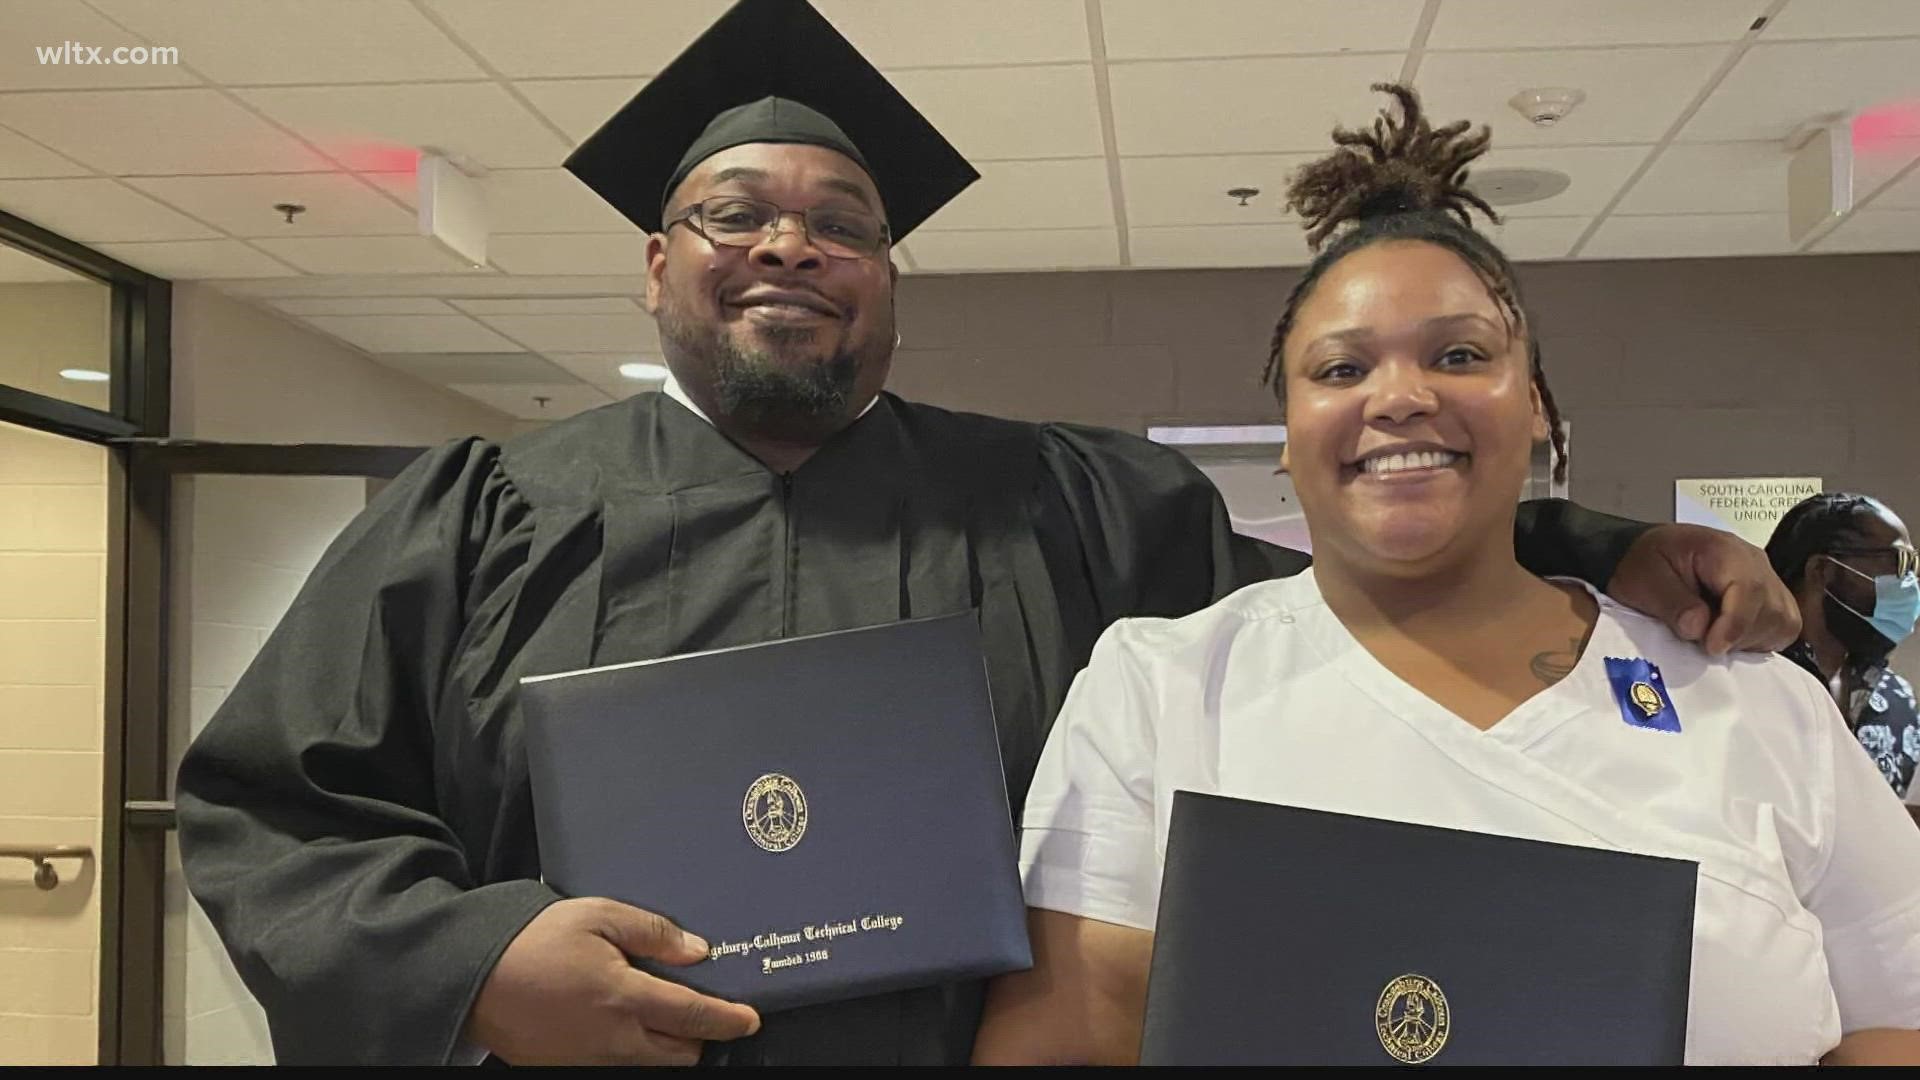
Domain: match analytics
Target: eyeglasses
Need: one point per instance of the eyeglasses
(1906, 559)
(735, 221)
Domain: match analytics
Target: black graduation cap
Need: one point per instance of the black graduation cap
(770, 71)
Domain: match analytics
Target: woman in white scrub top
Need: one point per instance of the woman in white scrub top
(1418, 673)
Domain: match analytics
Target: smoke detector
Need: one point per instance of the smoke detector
(1545, 106)
(1512, 187)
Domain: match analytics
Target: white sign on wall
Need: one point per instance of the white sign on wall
(1748, 507)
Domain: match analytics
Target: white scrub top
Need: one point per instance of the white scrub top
(1807, 918)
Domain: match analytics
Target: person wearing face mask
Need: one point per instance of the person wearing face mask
(1852, 565)
(1418, 672)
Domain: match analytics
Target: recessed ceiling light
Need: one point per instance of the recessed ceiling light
(1511, 187)
(85, 375)
(644, 372)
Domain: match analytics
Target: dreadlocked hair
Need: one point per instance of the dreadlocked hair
(1404, 179)
(1818, 525)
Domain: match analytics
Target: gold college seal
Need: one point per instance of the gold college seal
(775, 812)
(1647, 698)
(1412, 1019)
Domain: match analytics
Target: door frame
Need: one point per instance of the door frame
(137, 812)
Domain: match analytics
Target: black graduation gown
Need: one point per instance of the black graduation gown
(356, 818)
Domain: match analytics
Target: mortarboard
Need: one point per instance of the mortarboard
(770, 71)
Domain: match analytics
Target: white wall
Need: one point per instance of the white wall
(243, 374)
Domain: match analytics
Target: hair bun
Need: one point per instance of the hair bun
(1397, 167)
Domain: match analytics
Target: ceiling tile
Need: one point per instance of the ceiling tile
(1903, 195)
(547, 201)
(1016, 249)
(527, 201)
(1775, 88)
(1193, 190)
(580, 106)
(1506, 24)
(115, 132)
(555, 305)
(1156, 29)
(569, 253)
(53, 22)
(22, 158)
(580, 333)
(1884, 161)
(941, 33)
(297, 41)
(1032, 194)
(336, 204)
(1242, 106)
(619, 37)
(1596, 172)
(1059, 115)
(431, 284)
(1692, 236)
(413, 333)
(1705, 178)
(1219, 246)
(93, 211)
(364, 254)
(443, 369)
(1531, 239)
(199, 260)
(1874, 230)
(524, 401)
(366, 127)
(364, 305)
(579, 37)
(17, 266)
(1633, 95)
(1845, 18)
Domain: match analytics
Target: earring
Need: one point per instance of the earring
(896, 339)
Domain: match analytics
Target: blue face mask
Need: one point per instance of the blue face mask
(1896, 604)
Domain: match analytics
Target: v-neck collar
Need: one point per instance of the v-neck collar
(1583, 689)
(662, 444)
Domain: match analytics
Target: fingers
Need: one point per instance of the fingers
(636, 1045)
(1740, 610)
(1693, 621)
(675, 1010)
(1754, 618)
(645, 935)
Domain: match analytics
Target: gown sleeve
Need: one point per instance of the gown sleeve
(1557, 538)
(309, 825)
(1154, 530)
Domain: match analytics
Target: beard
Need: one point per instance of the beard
(775, 392)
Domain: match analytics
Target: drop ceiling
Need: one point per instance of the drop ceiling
(1107, 131)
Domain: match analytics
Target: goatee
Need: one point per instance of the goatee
(755, 389)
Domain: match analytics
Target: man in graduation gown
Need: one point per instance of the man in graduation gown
(356, 818)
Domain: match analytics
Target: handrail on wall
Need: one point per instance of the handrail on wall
(44, 875)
